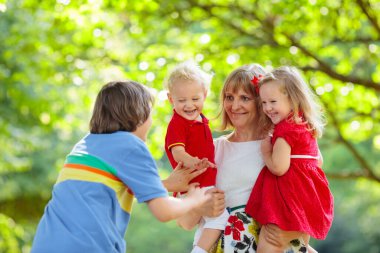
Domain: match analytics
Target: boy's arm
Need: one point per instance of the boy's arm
(278, 158)
(169, 208)
(212, 208)
(189, 220)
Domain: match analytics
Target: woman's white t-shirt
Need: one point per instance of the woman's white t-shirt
(239, 164)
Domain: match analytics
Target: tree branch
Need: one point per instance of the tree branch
(364, 40)
(366, 170)
(365, 6)
(244, 13)
(347, 175)
(324, 67)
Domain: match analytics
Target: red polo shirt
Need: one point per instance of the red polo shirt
(196, 137)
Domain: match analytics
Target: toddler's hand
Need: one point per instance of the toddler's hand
(192, 163)
(204, 163)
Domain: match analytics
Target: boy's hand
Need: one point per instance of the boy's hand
(215, 206)
(198, 195)
(179, 179)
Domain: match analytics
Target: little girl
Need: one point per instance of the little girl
(292, 190)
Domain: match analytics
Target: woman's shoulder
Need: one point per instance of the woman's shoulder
(220, 139)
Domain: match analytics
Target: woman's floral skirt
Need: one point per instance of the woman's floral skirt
(241, 235)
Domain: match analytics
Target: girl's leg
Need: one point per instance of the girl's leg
(265, 246)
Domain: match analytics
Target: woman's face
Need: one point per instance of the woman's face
(240, 107)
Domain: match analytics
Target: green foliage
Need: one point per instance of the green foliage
(55, 55)
(145, 234)
(12, 235)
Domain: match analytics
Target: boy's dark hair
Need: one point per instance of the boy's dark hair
(120, 106)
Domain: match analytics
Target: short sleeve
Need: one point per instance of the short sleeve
(141, 176)
(176, 134)
(286, 131)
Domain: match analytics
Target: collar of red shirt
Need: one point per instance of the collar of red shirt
(204, 119)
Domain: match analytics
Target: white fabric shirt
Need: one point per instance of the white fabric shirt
(239, 164)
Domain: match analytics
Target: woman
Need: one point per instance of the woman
(239, 162)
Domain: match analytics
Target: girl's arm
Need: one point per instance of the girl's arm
(278, 158)
(169, 208)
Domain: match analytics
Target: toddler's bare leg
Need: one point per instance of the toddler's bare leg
(208, 238)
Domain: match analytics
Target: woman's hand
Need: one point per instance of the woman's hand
(178, 180)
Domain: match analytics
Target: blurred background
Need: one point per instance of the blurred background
(55, 56)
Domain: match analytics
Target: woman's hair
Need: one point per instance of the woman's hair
(121, 106)
(188, 71)
(241, 78)
(304, 102)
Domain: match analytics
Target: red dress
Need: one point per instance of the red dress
(300, 200)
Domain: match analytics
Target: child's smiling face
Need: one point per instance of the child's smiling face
(276, 102)
(187, 98)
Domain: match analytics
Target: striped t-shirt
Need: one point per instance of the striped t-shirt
(92, 198)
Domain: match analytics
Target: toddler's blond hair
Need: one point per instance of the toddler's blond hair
(188, 71)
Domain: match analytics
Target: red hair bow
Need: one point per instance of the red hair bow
(255, 82)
